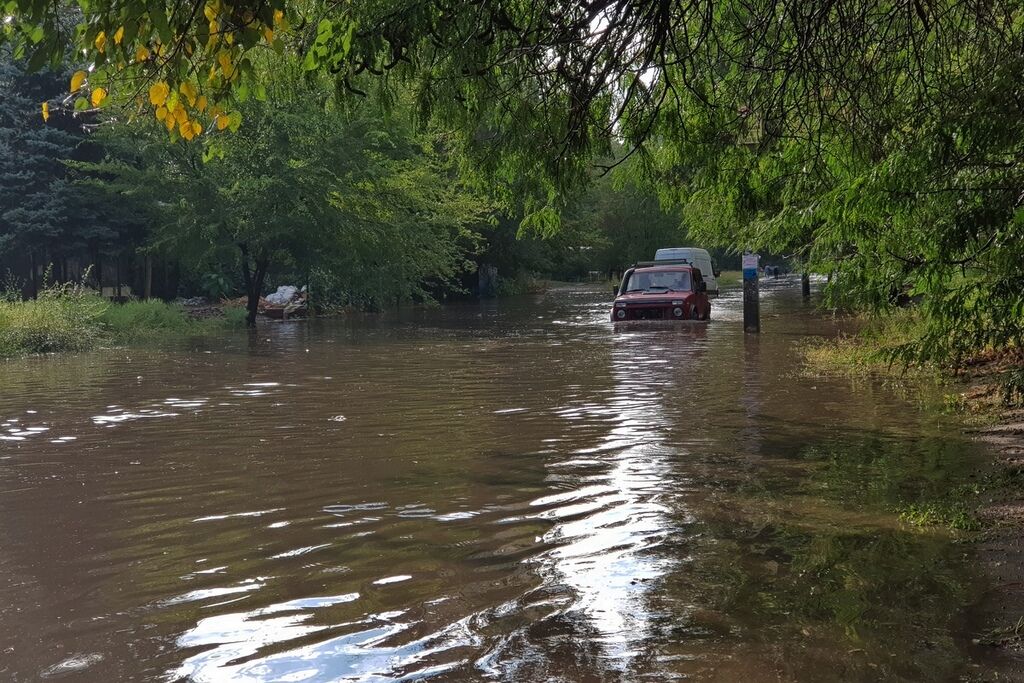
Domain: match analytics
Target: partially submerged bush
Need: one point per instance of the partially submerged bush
(72, 317)
(63, 318)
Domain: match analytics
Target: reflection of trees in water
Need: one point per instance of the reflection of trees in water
(830, 567)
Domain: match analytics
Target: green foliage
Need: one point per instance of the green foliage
(359, 206)
(518, 285)
(216, 285)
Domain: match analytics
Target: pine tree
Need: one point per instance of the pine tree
(36, 214)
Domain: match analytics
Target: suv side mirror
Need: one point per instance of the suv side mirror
(717, 273)
(615, 291)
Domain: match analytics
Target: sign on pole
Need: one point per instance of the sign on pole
(751, 305)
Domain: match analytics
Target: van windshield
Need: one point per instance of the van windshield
(658, 280)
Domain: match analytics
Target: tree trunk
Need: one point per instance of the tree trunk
(147, 286)
(253, 277)
(32, 273)
(117, 273)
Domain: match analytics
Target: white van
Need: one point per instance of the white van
(696, 257)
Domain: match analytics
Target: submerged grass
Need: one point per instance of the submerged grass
(977, 391)
(958, 515)
(74, 318)
(871, 351)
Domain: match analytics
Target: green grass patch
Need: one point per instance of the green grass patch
(728, 278)
(140, 319)
(234, 316)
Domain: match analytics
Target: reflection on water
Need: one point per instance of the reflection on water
(509, 491)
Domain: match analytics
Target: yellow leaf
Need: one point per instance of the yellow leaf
(180, 115)
(158, 93)
(46, 111)
(101, 41)
(278, 16)
(98, 95)
(77, 80)
(169, 123)
(142, 54)
(210, 13)
(201, 103)
(224, 58)
(189, 91)
(186, 130)
(197, 128)
(161, 113)
(268, 33)
(230, 38)
(222, 121)
(119, 36)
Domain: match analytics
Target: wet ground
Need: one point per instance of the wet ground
(508, 490)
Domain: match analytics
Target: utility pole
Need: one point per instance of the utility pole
(751, 304)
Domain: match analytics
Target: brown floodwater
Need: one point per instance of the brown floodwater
(509, 490)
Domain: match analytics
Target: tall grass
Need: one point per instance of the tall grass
(72, 317)
(63, 318)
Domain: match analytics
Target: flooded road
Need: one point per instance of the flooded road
(504, 490)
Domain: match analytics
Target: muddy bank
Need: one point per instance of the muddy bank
(997, 620)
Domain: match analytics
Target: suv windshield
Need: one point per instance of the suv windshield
(658, 280)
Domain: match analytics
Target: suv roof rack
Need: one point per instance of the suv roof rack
(663, 262)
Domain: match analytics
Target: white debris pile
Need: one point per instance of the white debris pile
(285, 294)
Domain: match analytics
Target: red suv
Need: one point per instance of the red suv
(670, 290)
